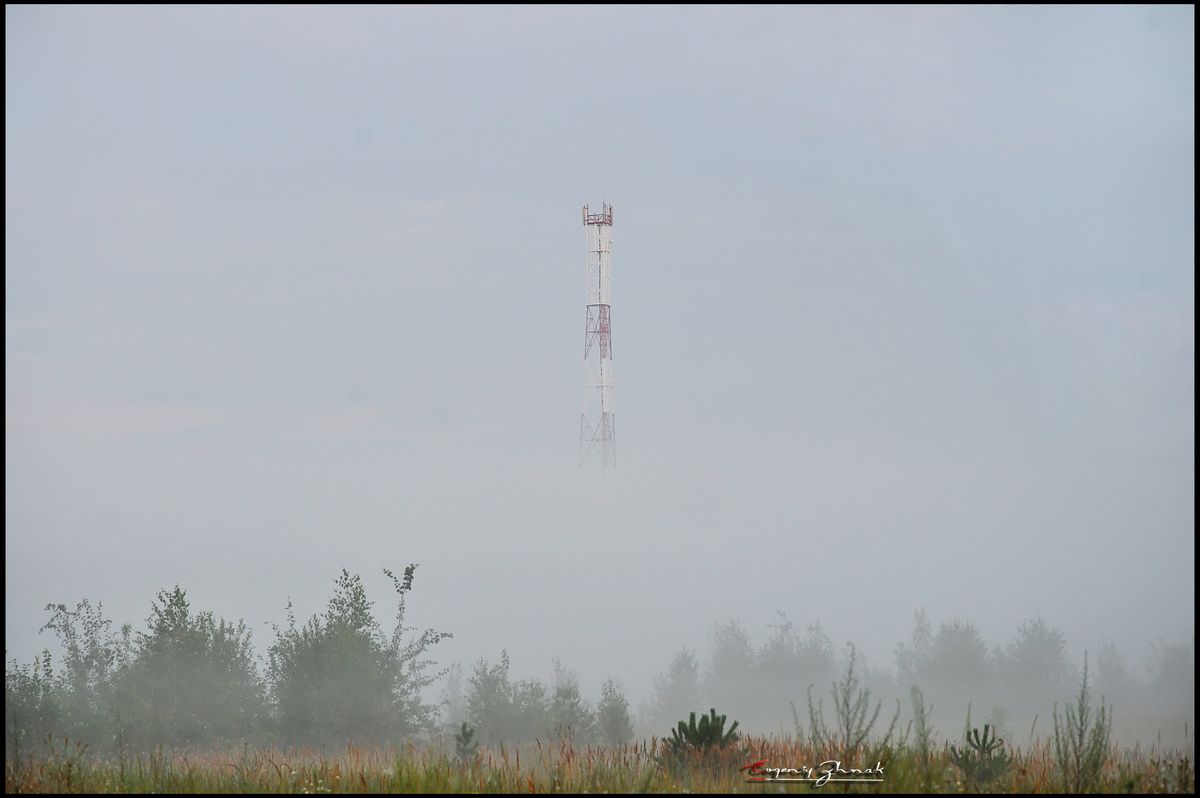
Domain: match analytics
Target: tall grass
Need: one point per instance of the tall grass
(557, 767)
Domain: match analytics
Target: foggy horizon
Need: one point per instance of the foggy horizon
(903, 319)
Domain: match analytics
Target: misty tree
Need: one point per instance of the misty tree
(959, 654)
(506, 711)
(570, 716)
(188, 678)
(339, 677)
(958, 669)
(31, 705)
(789, 665)
(530, 710)
(1036, 656)
(192, 679)
(785, 665)
(776, 672)
(454, 703)
(92, 656)
(778, 659)
(1112, 674)
(912, 658)
(814, 655)
(1171, 688)
(676, 692)
(489, 704)
(612, 715)
(729, 682)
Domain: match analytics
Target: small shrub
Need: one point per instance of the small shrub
(464, 747)
(709, 733)
(1081, 740)
(984, 758)
(852, 730)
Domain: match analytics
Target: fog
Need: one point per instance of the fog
(903, 320)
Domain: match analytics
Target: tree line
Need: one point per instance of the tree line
(1013, 686)
(190, 679)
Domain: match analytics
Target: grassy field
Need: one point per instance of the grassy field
(645, 767)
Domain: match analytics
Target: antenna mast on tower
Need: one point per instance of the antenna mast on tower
(601, 431)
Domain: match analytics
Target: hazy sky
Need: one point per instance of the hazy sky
(903, 317)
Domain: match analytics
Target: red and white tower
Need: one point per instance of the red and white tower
(597, 424)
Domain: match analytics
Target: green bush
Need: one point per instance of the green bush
(339, 677)
(709, 733)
